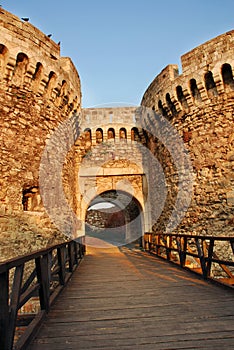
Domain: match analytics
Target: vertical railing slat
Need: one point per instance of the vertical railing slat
(201, 257)
(13, 310)
(4, 314)
(210, 255)
(43, 279)
(61, 263)
(71, 256)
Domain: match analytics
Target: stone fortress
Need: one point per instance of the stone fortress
(39, 90)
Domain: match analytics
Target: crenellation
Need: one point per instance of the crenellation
(207, 59)
(26, 32)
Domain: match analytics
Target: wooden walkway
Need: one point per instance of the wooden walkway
(126, 299)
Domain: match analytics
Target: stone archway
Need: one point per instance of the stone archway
(114, 217)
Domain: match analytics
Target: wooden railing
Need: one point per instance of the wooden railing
(28, 286)
(212, 257)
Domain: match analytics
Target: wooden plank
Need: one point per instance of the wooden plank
(130, 300)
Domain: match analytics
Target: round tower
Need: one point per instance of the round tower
(39, 89)
(199, 103)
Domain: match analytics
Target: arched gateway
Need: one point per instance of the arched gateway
(114, 217)
(110, 170)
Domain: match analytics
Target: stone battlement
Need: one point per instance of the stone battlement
(120, 121)
(29, 59)
(206, 74)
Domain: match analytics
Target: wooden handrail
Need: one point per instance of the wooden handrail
(196, 253)
(50, 271)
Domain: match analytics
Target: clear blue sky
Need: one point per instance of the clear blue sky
(119, 46)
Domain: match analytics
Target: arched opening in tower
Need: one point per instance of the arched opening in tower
(114, 217)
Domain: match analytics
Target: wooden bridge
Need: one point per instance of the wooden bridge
(120, 298)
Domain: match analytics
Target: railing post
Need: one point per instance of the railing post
(150, 241)
(182, 248)
(168, 247)
(81, 250)
(50, 259)
(157, 243)
(209, 258)
(71, 255)
(43, 279)
(13, 310)
(201, 256)
(232, 245)
(184, 251)
(146, 241)
(61, 263)
(76, 258)
(4, 314)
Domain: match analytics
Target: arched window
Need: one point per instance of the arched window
(227, 76)
(63, 93)
(20, 69)
(50, 83)
(111, 134)
(88, 135)
(31, 199)
(170, 104)
(135, 136)
(146, 138)
(37, 76)
(88, 138)
(38, 71)
(122, 134)
(194, 90)
(210, 85)
(161, 109)
(3, 58)
(3, 50)
(63, 89)
(181, 97)
(99, 135)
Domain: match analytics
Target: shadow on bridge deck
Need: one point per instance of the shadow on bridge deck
(126, 299)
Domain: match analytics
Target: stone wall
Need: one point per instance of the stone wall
(199, 103)
(39, 89)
